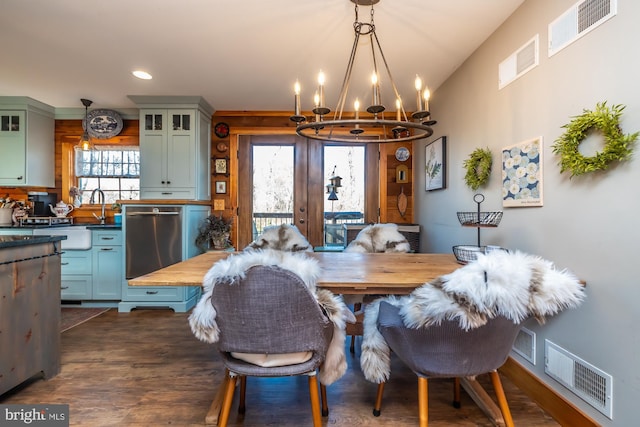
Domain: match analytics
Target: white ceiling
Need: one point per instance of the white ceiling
(238, 55)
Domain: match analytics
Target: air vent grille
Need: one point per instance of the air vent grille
(518, 63)
(585, 380)
(525, 345)
(579, 20)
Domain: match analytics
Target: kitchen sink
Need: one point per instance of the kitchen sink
(78, 237)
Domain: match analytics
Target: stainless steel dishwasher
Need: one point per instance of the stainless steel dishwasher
(153, 238)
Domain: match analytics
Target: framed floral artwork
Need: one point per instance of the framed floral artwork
(435, 173)
(522, 174)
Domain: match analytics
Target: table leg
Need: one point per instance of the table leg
(214, 410)
(482, 399)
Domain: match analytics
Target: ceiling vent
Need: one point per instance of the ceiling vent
(518, 63)
(593, 385)
(579, 20)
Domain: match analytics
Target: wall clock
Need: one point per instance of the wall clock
(402, 154)
(102, 124)
(221, 130)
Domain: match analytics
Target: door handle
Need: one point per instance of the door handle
(301, 220)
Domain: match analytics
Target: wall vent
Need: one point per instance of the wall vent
(588, 382)
(580, 19)
(518, 63)
(525, 345)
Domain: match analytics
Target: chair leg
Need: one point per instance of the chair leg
(378, 405)
(315, 401)
(502, 399)
(227, 400)
(423, 402)
(243, 393)
(323, 399)
(456, 392)
(356, 306)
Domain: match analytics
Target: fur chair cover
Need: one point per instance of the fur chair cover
(514, 285)
(284, 237)
(379, 238)
(203, 318)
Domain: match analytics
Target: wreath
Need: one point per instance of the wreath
(607, 121)
(478, 167)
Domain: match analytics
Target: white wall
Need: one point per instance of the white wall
(588, 224)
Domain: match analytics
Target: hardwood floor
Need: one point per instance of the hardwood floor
(146, 368)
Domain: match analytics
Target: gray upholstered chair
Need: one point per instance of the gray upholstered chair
(448, 351)
(269, 314)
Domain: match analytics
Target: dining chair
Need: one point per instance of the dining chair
(448, 351)
(373, 238)
(283, 237)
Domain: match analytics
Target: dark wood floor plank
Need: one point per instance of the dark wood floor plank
(146, 368)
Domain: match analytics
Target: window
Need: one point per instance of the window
(114, 169)
(347, 162)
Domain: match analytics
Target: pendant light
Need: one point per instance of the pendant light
(85, 142)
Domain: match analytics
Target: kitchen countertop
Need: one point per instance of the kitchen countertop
(18, 241)
(40, 226)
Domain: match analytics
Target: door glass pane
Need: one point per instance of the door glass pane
(272, 186)
(346, 162)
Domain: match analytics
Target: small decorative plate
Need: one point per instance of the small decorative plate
(402, 154)
(221, 130)
(103, 124)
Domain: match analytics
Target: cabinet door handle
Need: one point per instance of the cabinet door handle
(106, 238)
(106, 249)
(166, 193)
(20, 177)
(64, 287)
(152, 292)
(64, 263)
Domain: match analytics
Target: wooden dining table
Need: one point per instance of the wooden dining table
(342, 273)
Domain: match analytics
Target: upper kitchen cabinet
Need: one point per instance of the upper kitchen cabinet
(27, 142)
(175, 147)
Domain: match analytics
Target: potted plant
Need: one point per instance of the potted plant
(214, 233)
(117, 213)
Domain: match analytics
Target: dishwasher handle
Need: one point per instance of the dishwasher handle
(152, 213)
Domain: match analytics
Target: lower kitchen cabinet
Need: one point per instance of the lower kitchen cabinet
(108, 273)
(95, 274)
(76, 269)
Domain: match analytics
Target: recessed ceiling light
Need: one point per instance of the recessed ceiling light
(142, 75)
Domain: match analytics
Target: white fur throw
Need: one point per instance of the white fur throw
(284, 237)
(203, 318)
(379, 238)
(514, 285)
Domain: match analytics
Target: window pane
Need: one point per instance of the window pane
(272, 186)
(113, 169)
(346, 162)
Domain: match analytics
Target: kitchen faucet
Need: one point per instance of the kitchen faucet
(101, 199)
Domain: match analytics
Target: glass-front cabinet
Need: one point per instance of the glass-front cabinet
(27, 132)
(175, 147)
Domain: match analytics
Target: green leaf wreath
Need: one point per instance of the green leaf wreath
(604, 119)
(478, 167)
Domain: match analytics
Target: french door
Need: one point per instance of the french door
(281, 180)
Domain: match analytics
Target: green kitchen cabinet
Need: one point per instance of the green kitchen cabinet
(107, 272)
(175, 147)
(27, 142)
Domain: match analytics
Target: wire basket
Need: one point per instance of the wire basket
(476, 219)
(469, 253)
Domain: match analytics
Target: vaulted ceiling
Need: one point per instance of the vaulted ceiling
(238, 55)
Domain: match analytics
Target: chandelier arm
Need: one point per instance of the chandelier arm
(344, 90)
(393, 84)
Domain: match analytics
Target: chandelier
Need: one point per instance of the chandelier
(373, 127)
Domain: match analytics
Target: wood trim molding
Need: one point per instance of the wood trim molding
(563, 411)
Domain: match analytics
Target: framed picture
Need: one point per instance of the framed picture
(221, 166)
(522, 174)
(435, 165)
(221, 187)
